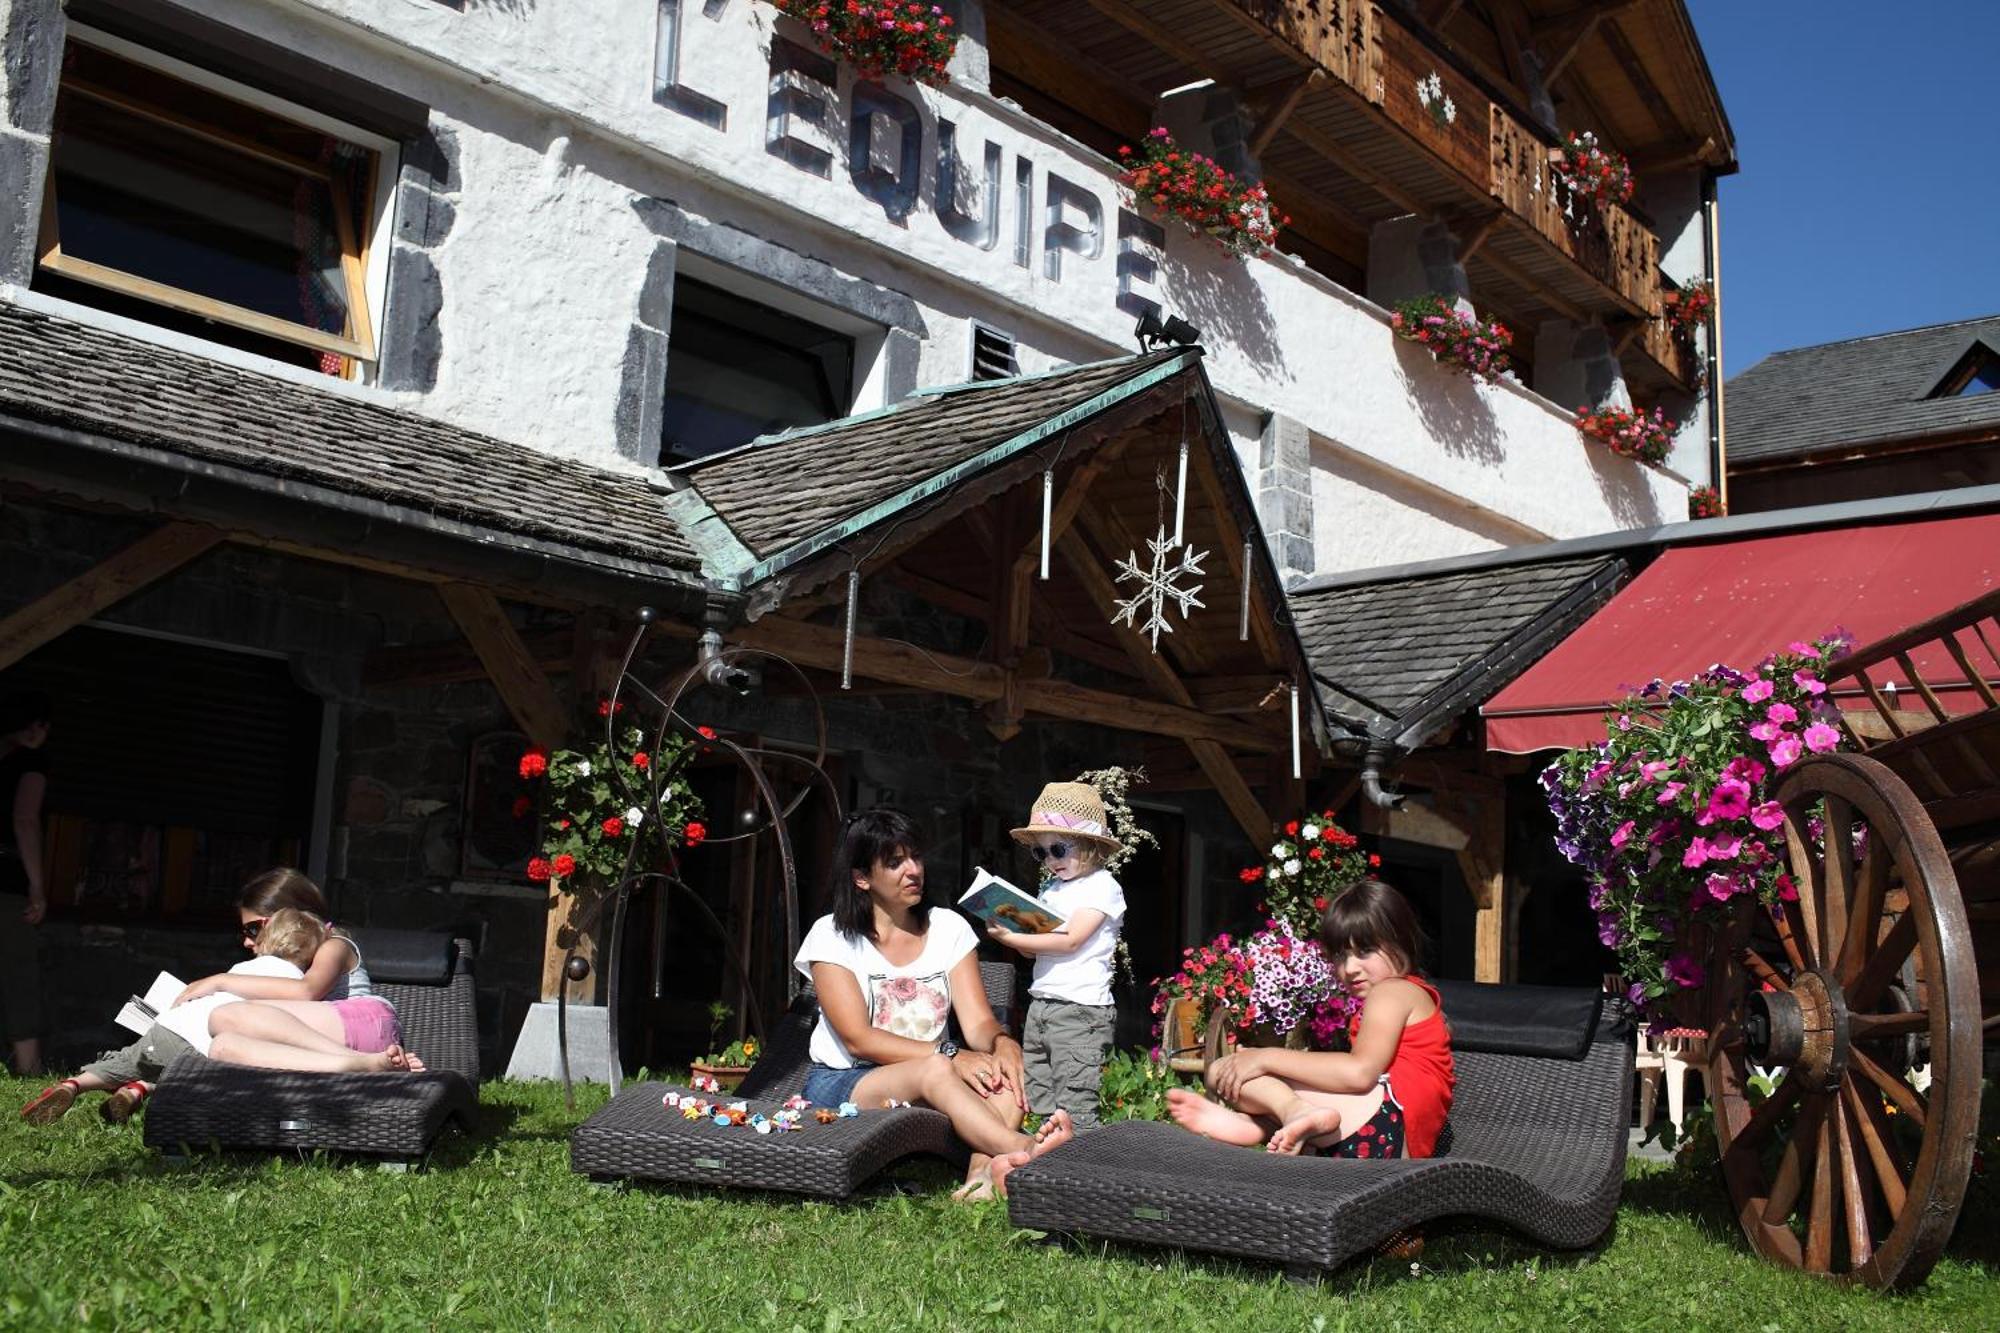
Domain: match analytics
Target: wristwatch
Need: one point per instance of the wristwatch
(947, 1048)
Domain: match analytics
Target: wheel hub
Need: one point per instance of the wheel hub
(1804, 1028)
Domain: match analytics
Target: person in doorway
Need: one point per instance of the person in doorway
(1386, 1097)
(890, 974)
(24, 899)
(325, 1020)
(1071, 1014)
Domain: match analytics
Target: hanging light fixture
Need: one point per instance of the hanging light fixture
(1243, 615)
(847, 645)
(1294, 691)
(1048, 501)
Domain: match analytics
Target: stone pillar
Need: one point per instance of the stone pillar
(1414, 255)
(30, 69)
(1540, 104)
(1284, 495)
(1576, 365)
(411, 343)
(970, 67)
(1209, 119)
(642, 381)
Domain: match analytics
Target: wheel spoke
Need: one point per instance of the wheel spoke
(1836, 864)
(1819, 1213)
(1900, 1094)
(1860, 1243)
(1761, 969)
(1870, 1126)
(1873, 1027)
(1767, 1114)
(1792, 1165)
(1870, 888)
(1792, 934)
(1883, 964)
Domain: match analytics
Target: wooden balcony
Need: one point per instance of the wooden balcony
(1347, 142)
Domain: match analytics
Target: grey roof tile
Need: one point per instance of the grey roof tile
(1864, 391)
(1385, 647)
(783, 489)
(75, 375)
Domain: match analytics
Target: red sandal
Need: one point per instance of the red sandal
(53, 1103)
(124, 1103)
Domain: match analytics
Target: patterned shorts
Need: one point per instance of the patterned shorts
(1382, 1136)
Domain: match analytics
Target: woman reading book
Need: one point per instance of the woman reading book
(890, 973)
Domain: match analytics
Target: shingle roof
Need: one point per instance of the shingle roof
(1864, 391)
(69, 374)
(781, 490)
(1403, 655)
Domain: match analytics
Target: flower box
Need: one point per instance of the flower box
(1478, 347)
(1628, 432)
(882, 37)
(1591, 170)
(1688, 308)
(1193, 190)
(1705, 502)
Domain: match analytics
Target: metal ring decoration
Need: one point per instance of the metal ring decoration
(774, 817)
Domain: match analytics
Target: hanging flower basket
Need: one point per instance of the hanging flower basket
(1591, 170)
(597, 802)
(1628, 432)
(882, 37)
(1198, 193)
(1705, 502)
(1688, 308)
(1478, 347)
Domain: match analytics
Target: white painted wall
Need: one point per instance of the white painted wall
(552, 107)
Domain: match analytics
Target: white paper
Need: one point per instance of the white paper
(158, 997)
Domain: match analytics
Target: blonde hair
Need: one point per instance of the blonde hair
(292, 935)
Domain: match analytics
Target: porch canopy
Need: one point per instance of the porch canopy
(1736, 603)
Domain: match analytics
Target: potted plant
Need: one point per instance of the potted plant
(728, 1065)
(1459, 341)
(1195, 191)
(882, 37)
(1688, 308)
(1589, 169)
(1705, 502)
(1628, 432)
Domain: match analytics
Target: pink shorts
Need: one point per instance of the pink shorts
(367, 1024)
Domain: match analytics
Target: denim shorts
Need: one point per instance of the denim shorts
(827, 1086)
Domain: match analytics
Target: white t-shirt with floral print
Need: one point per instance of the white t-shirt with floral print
(912, 1000)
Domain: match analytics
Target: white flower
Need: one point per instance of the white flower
(1278, 849)
(1292, 867)
(634, 736)
(1309, 832)
(1450, 111)
(633, 816)
(583, 768)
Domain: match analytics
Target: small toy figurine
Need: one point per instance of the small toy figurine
(826, 1115)
(848, 1109)
(797, 1103)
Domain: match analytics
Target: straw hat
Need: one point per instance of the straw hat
(1069, 809)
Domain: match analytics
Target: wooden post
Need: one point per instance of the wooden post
(146, 561)
(1483, 862)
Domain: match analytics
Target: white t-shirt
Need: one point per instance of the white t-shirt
(1082, 977)
(913, 1000)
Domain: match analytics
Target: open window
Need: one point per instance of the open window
(182, 200)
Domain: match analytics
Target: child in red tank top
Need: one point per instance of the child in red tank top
(1386, 1097)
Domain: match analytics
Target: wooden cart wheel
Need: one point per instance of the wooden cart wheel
(1845, 1169)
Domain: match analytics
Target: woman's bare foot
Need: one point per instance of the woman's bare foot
(1004, 1165)
(1194, 1112)
(1314, 1127)
(979, 1185)
(394, 1060)
(1057, 1130)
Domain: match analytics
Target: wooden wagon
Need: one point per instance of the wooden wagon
(1849, 998)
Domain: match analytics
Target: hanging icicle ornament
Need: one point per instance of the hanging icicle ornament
(1048, 503)
(1243, 614)
(1180, 491)
(847, 643)
(1158, 585)
(1293, 690)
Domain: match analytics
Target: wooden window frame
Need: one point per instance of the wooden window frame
(363, 264)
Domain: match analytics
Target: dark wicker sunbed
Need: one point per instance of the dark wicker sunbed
(1536, 1141)
(634, 1136)
(205, 1103)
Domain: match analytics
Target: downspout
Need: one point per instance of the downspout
(1718, 455)
(1371, 777)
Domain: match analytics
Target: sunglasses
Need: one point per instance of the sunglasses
(1055, 851)
(252, 929)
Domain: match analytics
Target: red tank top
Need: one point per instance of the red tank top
(1421, 1075)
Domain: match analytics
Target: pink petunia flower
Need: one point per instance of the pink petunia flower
(1685, 972)
(1723, 887)
(1669, 793)
(1757, 691)
(1724, 846)
(1786, 751)
(1781, 713)
(1808, 682)
(1746, 768)
(1765, 731)
(1770, 815)
(1729, 800)
(1802, 648)
(1820, 737)
(1623, 834)
(1696, 855)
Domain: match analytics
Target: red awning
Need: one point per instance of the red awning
(1737, 602)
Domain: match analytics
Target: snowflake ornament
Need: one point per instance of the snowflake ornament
(1157, 585)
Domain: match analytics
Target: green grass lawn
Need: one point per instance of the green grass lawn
(95, 1232)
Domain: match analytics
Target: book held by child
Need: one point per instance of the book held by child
(998, 903)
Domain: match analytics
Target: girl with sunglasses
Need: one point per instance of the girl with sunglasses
(1071, 1016)
(329, 1020)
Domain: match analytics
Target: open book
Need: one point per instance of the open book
(142, 1011)
(998, 903)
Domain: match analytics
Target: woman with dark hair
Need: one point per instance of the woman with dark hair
(890, 973)
(24, 900)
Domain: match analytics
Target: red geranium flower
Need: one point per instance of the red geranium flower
(1292, 828)
(1316, 853)
(565, 865)
(642, 760)
(539, 869)
(562, 823)
(613, 826)
(694, 833)
(1319, 904)
(533, 764)
(1374, 861)
(1251, 875)
(706, 733)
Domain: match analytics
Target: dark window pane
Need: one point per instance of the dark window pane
(737, 370)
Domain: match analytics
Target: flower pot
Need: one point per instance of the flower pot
(726, 1076)
(1181, 1036)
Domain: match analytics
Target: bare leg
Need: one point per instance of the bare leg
(932, 1082)
(315, 1014)
(1054, 1133)
(1321, 1117)
(1211, 1120)
(268, 1023)
(28, 1057)
(238, 1049)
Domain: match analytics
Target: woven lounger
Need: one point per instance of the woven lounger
(1536, 1141)
(634, 1136)
(428, 977)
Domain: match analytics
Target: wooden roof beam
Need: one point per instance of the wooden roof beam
(102, 586)
(1274, 119)
(1642, 81)
(524, 687)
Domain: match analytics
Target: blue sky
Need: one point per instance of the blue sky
(1869, 198)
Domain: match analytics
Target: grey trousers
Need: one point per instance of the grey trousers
(144, 1059)
(1065, 1045)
